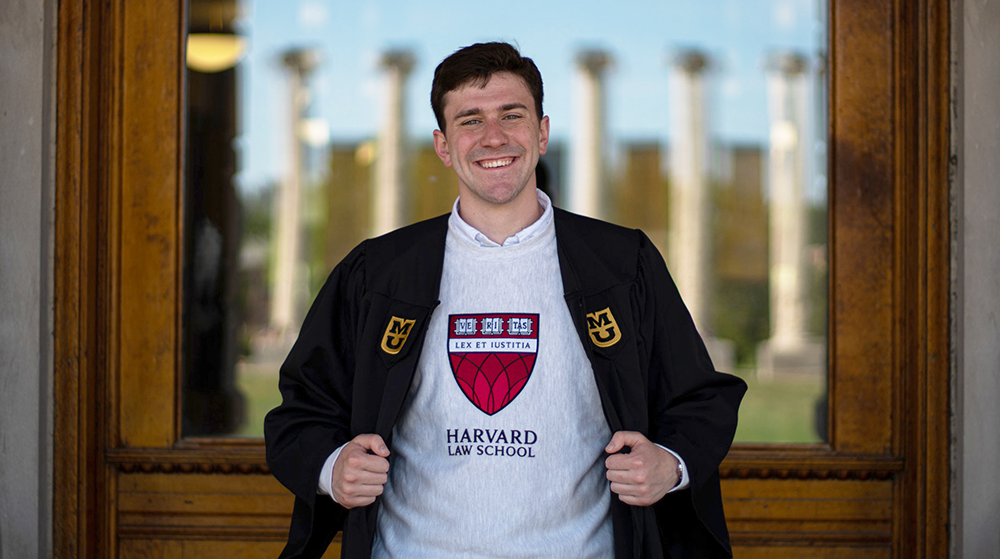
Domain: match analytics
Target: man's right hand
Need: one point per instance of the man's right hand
(360, 471)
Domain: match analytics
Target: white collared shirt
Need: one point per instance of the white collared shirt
(476, 237)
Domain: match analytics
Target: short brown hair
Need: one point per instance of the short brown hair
(476, 64)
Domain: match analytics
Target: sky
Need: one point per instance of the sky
(641, 37)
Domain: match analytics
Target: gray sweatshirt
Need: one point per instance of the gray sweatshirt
(499, 451)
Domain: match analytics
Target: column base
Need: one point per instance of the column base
(801, 357)
(723, 354)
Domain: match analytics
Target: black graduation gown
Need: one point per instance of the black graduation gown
(655, 378)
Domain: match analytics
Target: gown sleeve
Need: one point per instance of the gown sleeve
(314, 418)
(693, 408)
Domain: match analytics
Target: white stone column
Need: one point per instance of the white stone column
(791, 348)
(587, 171)
(389, 192)
(284, 307)
(690, 249)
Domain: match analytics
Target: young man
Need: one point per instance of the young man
(509, 380)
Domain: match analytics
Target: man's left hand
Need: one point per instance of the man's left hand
(643, 476)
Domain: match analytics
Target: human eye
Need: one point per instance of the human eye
(470, 122)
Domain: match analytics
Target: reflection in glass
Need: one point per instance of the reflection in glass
(701, 123)
(212, 403)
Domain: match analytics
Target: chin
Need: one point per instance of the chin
(504, 197)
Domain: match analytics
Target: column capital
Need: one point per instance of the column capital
(593, 61)
(787, 62)
(301, 60)
(401, 60)
(690, 61)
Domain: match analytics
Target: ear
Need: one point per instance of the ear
(441, 148)
(543, 135)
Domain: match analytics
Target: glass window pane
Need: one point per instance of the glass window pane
(703, 123)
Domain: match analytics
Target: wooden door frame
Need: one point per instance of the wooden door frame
(118, 263)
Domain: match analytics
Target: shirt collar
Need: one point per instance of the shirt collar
(476, 237)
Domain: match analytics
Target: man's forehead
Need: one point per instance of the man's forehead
(516, 90)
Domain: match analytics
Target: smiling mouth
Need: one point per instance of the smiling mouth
(496, 163)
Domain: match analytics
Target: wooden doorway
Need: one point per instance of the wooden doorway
(128, 485)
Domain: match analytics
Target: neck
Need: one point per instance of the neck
(500, 221)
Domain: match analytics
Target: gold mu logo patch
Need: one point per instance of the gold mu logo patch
(396, 333)
(604, 331)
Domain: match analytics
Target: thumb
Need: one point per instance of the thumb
(373, 443)
(621, 439)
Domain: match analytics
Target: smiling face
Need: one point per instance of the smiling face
(492, 139)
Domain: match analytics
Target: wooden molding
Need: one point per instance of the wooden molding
(206, 461)
(843, 474)
(760, 464)
(923, 77)
(809, 540)
(814, 466)
(181, 466)
(267, 533)
(77, 352)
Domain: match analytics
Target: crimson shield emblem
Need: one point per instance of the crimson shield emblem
(492, 356)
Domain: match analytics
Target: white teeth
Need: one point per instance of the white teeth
(497, 163)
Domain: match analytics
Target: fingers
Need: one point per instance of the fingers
(621, 439)
(644, 475)
(361, 466)
(628, 484)
(359, 475)
(634, 470)
(353, 496)
(635, 500)
(373, 443)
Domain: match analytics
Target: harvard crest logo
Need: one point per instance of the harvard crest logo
(603, 329)
(492, 356)
(396, 333)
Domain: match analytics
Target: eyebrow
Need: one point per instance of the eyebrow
(477, 110)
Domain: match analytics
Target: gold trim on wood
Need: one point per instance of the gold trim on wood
(810, 539)
(818, 465)
(182, 461)
(801, 473)
(179, 467)
(758, 464)
(256, 533)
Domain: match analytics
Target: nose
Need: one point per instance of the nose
(493, 134)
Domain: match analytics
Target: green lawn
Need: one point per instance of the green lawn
(259, 386)
(780, 411)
